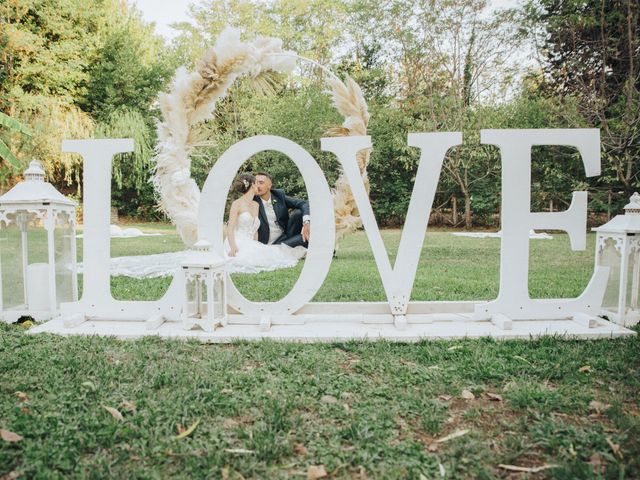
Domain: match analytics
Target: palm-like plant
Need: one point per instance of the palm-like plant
(11, 124)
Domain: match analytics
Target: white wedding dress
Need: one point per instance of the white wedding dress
(253, 256)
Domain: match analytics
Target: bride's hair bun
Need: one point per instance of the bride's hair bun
(243, 182)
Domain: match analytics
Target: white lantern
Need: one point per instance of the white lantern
(37, 249)
(205, 298)
(618, 247)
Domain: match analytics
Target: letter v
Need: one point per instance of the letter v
(397, 281)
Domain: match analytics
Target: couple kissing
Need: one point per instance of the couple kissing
(262, 233)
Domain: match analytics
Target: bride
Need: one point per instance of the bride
(243, 250)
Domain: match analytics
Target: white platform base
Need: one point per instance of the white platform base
(319, 331)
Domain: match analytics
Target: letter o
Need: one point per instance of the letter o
(321, 243)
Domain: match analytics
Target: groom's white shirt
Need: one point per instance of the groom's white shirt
(274, 229)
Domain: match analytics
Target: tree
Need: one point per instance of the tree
(14, 125)
(591, 53)
(72, 69)
(129, 69)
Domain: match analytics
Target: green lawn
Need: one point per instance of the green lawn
(359, 410)
(451, 268)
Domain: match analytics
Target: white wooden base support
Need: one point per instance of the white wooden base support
(586, 320)
(154, 322)
(322, 331)
(502, 321)
(400, 321)
(265, 323)
(75, 320)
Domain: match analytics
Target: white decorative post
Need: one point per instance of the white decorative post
(37, 249)
(205, 302)
(618, 247)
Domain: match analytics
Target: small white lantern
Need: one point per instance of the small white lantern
(37, 249)
(618, 247)
(205, 296)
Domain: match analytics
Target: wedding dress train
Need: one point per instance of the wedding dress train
(252, 256)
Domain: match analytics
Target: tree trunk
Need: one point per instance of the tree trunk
(454, 209)
(467, 210)
(551, 205)
(467, 200)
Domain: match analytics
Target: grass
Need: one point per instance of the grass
(451, 268)
(361, 410)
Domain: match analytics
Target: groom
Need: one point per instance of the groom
(277, 225)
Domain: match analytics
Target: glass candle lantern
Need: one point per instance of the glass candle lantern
(618, 248)
(204, 277)
(37, 249)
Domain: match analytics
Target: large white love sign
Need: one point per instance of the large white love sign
(513, 301)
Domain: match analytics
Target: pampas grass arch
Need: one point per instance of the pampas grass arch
(192, 99)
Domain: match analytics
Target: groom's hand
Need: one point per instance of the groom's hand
(306, 232)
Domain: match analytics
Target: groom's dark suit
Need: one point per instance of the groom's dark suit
(290, 223)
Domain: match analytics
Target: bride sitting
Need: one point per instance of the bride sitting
(244, 252)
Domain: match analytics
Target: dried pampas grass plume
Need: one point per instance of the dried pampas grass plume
(349, 101)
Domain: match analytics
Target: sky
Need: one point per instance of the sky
(165, 12)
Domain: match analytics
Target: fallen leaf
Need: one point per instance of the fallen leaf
(433, 367)
(328, 399)
(22, 396)
(226, 390)
(433, 447)
(188, 431)
(518, 357)
(238, 450)
(8, 436)
(494, 397)
(90, 385)
(517, 468)
(451, 436)
(585, 369)
(467, 395)
(315, 472)
(455, 347)
(11, 475)
(615, 448)
(128, 406)
(225, 473)
(445, 398)
(229, 423)
(598, 463)
(442, 470)
(114, 413)
(300, 449)
(598, 406)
